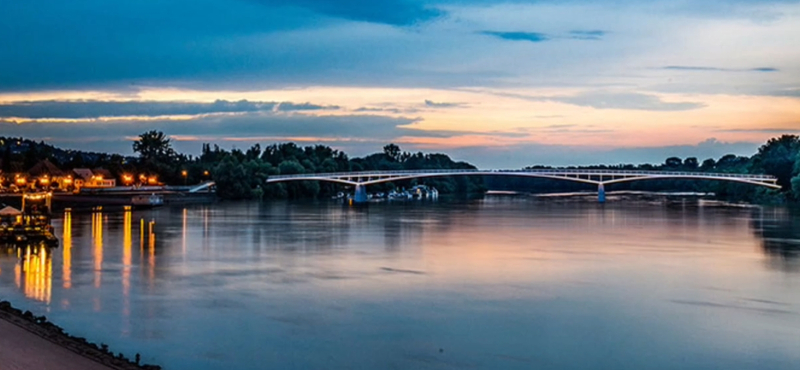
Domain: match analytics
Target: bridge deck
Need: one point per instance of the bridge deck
(590, 176)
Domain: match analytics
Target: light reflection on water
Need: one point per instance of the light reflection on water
(493, 284)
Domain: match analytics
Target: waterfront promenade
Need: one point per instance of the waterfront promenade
(31, 342)
(21, 349)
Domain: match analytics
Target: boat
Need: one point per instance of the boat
(147, 201)
(402, 195)
(31, 224)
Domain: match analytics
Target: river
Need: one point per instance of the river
(497, 283)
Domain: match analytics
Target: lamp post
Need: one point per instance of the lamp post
(185, 174)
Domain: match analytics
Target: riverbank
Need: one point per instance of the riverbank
(32, 342)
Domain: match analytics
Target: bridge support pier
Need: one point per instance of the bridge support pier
(360, 195)
(601, 193)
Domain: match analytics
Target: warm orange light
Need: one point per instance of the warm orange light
(205, 173)
(67, 181)
(21, 180)
(127, 178)
(184, 173)
(44, 180)
(152, 180)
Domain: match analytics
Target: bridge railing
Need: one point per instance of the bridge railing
(554, 172)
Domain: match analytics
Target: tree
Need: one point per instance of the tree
(778, 157)
(254, 152)
(708, 165)
(291, 168)
(153, 145)
(690, 163)
(393, 152)
(796, 178)
(230, 177)
(673, 162)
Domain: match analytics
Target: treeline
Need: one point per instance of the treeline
(18, 155)
(242, 174)
(779, 157)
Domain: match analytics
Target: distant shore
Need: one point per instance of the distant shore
(31, 342)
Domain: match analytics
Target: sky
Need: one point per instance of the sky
(501, 84)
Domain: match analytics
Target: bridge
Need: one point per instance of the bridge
(601, 178)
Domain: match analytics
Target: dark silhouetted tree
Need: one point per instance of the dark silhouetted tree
(777, 158)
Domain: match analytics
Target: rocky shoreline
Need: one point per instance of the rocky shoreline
(39, 326)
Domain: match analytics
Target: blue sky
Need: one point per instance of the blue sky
(497, 83)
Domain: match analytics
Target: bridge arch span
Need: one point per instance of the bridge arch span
(689, 177)
(600, 178)
(311, 178)
(487, 173)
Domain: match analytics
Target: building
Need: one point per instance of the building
(97, 178)
(46, 175)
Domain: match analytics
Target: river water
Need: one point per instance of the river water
(498, 283)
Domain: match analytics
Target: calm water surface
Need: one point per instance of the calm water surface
(499, 283)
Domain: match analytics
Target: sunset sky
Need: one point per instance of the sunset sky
(501, 84)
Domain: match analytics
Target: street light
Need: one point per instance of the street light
(185, 174)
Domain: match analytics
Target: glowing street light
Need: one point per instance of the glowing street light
(127, 179)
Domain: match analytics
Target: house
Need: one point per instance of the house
(47, 174)
(97, 178)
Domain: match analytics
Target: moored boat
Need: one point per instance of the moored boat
(147, 201)
(31, 224)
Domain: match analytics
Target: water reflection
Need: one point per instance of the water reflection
(496, 284)
(127, 242)
(97, 241)
(66, 245)
(33, 271)
(779, 232)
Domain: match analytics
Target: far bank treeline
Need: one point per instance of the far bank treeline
(779, 157)
(241, 174)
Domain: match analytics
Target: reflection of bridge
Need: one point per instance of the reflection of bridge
(596, 177)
